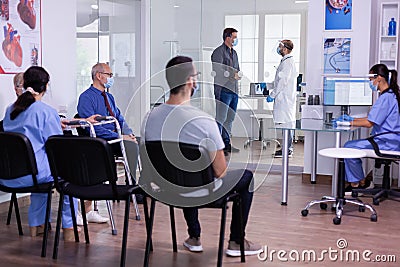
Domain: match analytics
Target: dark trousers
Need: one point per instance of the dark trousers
(244, 187)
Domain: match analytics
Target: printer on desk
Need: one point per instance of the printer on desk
(315, 112)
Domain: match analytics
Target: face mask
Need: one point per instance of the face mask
(194, 90)
(372, 86)
(109, 83)
(235, 42)
(278, 50)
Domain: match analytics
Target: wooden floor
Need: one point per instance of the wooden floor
(270, 224)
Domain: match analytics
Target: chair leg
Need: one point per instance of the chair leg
(146, 217)
(46, 224)
(58, 226)
(149, 233)
(221, 235)
(10, 208)
(72, 207)
(240, 207)
(85, 228)
(17, 215)
(125, 232)
(173, 229)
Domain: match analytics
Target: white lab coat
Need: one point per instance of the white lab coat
(284, 91)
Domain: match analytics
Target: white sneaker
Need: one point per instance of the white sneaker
(95, 217)
(79, 219)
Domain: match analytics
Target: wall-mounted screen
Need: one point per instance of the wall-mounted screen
(346, 91)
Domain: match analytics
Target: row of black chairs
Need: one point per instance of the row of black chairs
(85, 169)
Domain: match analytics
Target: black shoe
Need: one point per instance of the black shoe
(139, 198)
(349, 189)
(231, 149)
(278, 154)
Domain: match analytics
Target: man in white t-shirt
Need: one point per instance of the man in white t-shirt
(178, 121)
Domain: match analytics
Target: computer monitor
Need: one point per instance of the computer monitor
(258, 89)
(347, 91)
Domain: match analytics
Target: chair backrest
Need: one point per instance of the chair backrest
(16, 157)
(182, 164)
(394, 156)
(81, 161)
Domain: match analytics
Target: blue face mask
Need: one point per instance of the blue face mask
(195, 89)
(278, 50)
(235, 42)
(109, 83)
(372, 86)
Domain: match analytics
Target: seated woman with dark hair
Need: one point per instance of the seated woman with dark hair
(37, 121)
(384, 116)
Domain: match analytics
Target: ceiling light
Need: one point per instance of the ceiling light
(94, 7)
(176, 6)
(300, 1)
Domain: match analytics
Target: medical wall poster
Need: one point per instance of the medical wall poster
(337, 55)
(338, 14)
(21, 40)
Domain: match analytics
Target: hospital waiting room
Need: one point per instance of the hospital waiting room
(199, 133)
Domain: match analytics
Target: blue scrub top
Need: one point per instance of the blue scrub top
(38, 122)
(386, 118)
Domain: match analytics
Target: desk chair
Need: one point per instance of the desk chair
(17, 159)
(162, 166)
(264, 142)
(340, 200)
(86, 170)
(386, 158)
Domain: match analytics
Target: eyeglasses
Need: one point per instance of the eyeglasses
(110, 74)
(195, 75)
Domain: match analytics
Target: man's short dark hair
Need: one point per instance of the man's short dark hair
(228, 32)
(177, 72)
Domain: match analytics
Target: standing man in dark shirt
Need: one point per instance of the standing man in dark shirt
(226, 67)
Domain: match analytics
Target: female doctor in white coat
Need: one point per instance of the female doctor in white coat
(284, 91)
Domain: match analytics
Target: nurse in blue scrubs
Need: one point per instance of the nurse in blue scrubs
(384, 116)
(38, 121)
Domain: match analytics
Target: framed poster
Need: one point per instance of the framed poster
(338, 14)
(21, 40)
(337, 55)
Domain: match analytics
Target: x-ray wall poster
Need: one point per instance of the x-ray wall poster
(337, 55)
(338, 14)
(21, 41)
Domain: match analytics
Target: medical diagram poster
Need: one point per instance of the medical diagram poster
(337, 55)
(338, 14)
(21, 40)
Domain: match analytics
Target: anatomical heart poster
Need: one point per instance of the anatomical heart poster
(21, 39)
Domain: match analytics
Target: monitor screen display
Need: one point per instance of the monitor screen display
(346, 91)
(258, 89)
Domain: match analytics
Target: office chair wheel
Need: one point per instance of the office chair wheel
(374, 218)
(114, 231)
(361, 208)
(375, 201)
(304, 212)
(323, 206)
(337, 220)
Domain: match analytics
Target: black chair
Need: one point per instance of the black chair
(83, 165)
(17, 159)
(185, 166)
(385, 158)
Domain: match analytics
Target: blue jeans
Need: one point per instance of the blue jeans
(245, 190)
(226, 105)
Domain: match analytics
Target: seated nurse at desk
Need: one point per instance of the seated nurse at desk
(384, 116)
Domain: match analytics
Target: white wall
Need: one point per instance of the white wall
(59, 56)
(360, 64)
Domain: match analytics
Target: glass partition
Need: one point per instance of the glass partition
(109, 31)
